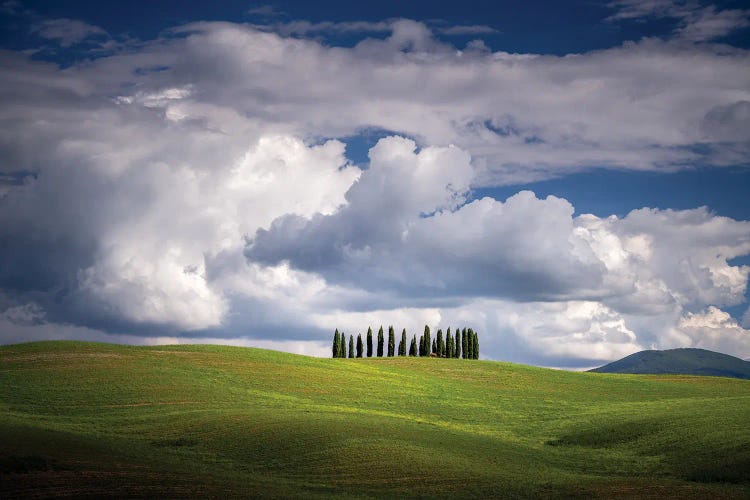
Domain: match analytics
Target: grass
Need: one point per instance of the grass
(86, 419)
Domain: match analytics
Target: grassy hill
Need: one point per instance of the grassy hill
(680, 361)
(97, 419)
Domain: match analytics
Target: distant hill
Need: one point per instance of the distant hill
(680, 362)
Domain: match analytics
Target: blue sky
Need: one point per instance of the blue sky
(569, 178)
(532, 27)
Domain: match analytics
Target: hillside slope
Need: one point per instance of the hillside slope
(180, 421)
(680, 361)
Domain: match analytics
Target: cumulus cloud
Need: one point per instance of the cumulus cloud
(405, 230)
(162, 277)
(715, 330)
(577, 286)
(192, 187)
(574, 334)
(150, 227)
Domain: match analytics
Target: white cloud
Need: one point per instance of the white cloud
(14, 330)
(151, 267)
(697, 22)
(307, 28)
(581, 288)
(29, 313)
(67, 32)
(709, 23)
(730, 123)
(404, 231)
(521, 116)
(11, 7)
(468, 29)
(634, 9)
(265, 10)
(715, 330)
(143, 172)
(746, 318)
(355, 323)
(572, 334)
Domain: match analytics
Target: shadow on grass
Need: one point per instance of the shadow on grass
(25, 464)
(607, 436)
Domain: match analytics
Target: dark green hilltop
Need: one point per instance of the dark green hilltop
(88, 420)
(680, 362)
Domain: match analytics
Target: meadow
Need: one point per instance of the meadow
(88, 419)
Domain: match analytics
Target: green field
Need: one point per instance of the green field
(96, 419)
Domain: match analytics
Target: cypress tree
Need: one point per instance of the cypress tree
(440, 344)
(421, 345)
(464, 343)
(457, 353)
(434, 347)
(467, 340)
(391, 342)
(402, 344)
(426, 351)
(413, 346)
(380, 342)
(476, 346)
(336, 344)
(351, 346)
(448, 348)
(470, 343)
(342, 346)
(369, 342)
(359, 345)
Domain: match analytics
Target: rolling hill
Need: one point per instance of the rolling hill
(680, 361)
(85, 419)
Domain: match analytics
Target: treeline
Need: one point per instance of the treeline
(464, 344)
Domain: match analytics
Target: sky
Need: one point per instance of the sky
(569, 179)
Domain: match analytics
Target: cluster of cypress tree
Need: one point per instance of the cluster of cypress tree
(339, 345)
(464, 344)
